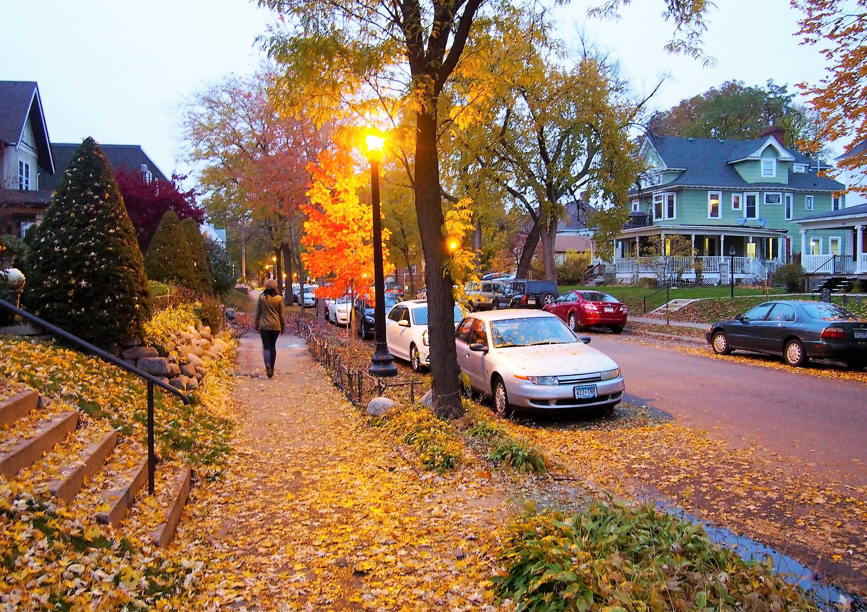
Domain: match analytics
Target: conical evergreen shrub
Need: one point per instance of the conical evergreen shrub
(86, 271)
(168, 259)
(201, 264)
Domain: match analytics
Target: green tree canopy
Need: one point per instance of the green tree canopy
(204, 279)
(734, 110)
(169, 258)
(86, 270)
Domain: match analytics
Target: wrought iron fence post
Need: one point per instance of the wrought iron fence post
(152, 460)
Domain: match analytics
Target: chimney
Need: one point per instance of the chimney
(778, 132)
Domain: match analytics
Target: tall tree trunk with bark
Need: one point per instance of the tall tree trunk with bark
(441, 327)
(530, 244)
(286, 253)
(549, 234)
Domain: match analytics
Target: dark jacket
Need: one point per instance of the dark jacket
(270, 312)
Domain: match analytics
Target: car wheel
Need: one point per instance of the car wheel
(856, 364)
(573, 322)
(414, 358)
(794, 354)
(720, 344)
(617, 329)
(547, 298)
(501, 399)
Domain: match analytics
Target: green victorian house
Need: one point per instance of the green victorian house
(737, 202)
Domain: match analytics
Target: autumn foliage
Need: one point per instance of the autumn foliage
(339, 228)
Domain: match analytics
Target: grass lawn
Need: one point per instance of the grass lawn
(632, 295)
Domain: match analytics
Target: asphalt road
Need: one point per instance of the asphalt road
(822, 421)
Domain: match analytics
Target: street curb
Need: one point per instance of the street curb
(688, 339)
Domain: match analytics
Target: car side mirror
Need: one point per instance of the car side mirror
(739, 317)
(584, 339)
(479, 347)
(403, 323)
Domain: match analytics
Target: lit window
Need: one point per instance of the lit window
(737, 201)
(23, 175)
(808, 202)
(815, 246)
(714, 211)
(769, 167)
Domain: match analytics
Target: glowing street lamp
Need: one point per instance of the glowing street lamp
(383, 362)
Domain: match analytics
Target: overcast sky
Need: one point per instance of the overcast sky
(119, 71)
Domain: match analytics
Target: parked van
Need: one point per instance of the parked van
(480, 296)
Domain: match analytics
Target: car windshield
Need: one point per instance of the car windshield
(828, 312)
(530, 332)
(390, 300)
(419, 315)
(598, 296)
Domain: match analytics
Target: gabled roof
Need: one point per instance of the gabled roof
(706, 166)
(130, 157)
(856, 149)
(20, 101)
(752, 150)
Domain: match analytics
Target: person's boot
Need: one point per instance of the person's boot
(269, 371)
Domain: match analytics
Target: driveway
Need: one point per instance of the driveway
(789, 413)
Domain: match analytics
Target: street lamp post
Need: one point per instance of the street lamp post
(383, 362)
(732, 271)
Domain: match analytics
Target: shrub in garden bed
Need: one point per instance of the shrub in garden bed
(502, 447)
(614, 557)
(435, 440)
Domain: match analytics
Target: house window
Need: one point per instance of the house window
(789, 206)
(835, 203)
(834, 245)
(635, 206)
(146, 174)
(808, 202)
(769, 168)
(657, 207)
(773, 198)
(670, 206)
(815, 246)
(751, 206)
(799, 169)
(23, 175)
(737, 201)
(714, 210)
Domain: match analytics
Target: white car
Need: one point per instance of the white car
(339, 310)
(530, 360)
(309, 296)
(406, 332)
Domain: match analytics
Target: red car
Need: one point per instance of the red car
(587, 308)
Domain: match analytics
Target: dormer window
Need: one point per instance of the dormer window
(799, 169)
(146, 175)
(23, 175)
(769, 168)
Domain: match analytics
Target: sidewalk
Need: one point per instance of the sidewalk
(653, 321)
(319, 510)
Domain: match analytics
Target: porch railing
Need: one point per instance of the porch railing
(829, 264)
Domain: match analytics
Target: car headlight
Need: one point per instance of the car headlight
(369, 319)
(541, 380)
(424, 337)
(610, 374)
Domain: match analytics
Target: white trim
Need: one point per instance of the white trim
(809, 202)
(773, 173)
(765, 198)
(657, 198)
(740, 198)
(839, 240)
(636, 205)
(799, 169)
(24, 175)
(719, 204)
(666, 215)
(746, 198)
(789, 203)
(817, 240)
(836, 202)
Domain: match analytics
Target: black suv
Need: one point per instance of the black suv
(363, 311)
(523, 293)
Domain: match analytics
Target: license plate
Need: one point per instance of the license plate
(607, 309)
(585, 392)
(531, 300)
(861, 334)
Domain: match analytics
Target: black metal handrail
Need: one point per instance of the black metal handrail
(650, 295)
(591, 273)
(151, 380)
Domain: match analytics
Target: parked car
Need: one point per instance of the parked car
(582, 309)
(406, 332)
(523, 293)
(363, 310)
(480, 296)
(339, 309)
(531, 361)
(309, 295)
(796, 330)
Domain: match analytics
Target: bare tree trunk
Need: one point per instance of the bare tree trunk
(278, 267)
(441, 329)
(549, 235)
(287, 264)
(529, 250)
(320, 304)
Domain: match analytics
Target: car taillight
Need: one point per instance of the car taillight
(836, 333)
(590, 307)
(524, 299)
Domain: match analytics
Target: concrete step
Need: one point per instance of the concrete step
(121, 499)
(166, 530)
(72, 478)
(672, 306)
(28, 451)
(18, 406)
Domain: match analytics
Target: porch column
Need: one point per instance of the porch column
(859, 240)
(803, 244)
(637, 246)
(722, 245)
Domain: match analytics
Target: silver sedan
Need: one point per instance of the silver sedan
(530, 360)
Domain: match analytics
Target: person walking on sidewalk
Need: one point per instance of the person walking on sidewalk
(270, 322)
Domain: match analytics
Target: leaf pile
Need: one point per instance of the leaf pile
(617, 558)
(503, 447)
(435, 441)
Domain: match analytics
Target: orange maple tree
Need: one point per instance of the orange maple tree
(339, 228)
(841, 97)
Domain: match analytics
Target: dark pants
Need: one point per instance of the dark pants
(269, 345)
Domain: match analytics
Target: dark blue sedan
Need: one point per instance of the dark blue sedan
(796, 330)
